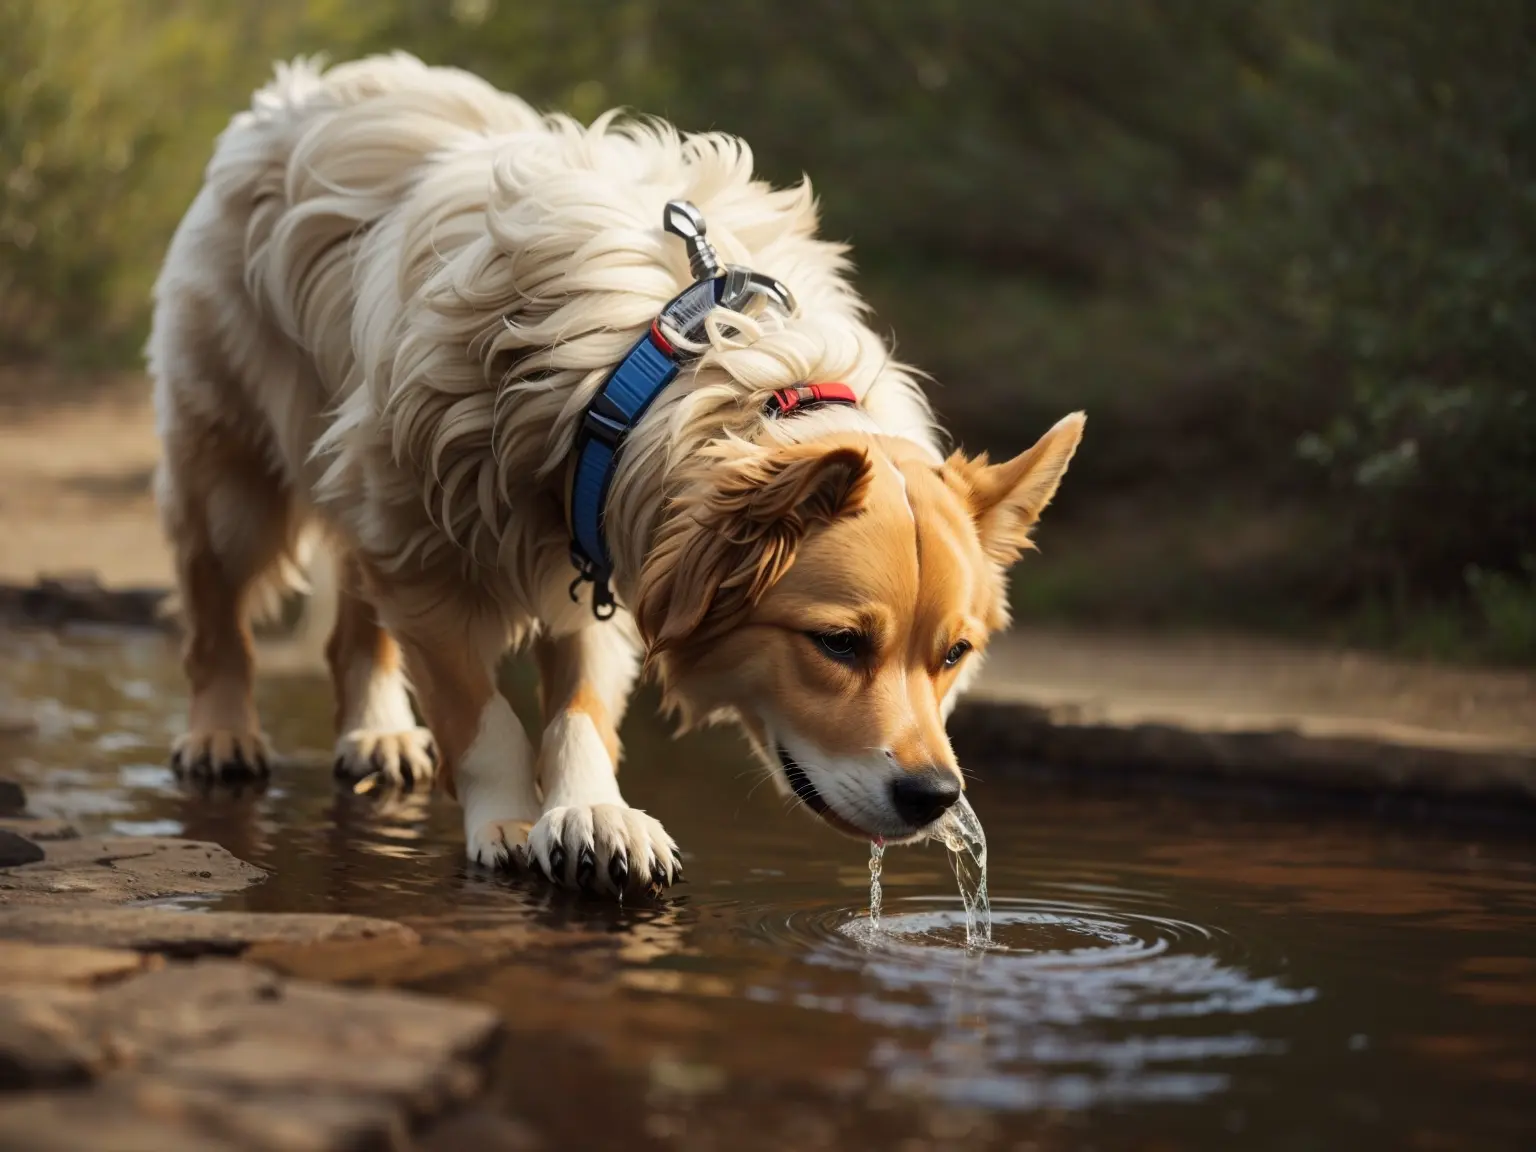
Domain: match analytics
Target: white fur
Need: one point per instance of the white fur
(578, 769)
(403, 286)
(496, 786)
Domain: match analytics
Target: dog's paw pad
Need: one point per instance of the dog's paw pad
(607, 848)
(221, 754)
(390, 760)
(499, 844)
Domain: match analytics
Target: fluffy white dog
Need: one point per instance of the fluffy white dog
(383, 321)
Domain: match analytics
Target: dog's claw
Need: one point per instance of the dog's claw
(557, 863)
(586, 866)
(618, 870)
(658, 875)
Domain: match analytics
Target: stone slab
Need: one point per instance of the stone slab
(1318, 753)
(23, 962)
(119, 869)
(39, 828)
(214, 1055)
(180, 933)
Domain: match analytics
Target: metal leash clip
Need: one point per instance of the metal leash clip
(718, 285)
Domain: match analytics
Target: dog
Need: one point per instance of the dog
(384, 327)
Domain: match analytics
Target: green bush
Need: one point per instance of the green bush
(1284, 251)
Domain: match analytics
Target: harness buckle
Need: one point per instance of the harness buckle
(605, 421)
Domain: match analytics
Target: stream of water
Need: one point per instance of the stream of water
(961, 833)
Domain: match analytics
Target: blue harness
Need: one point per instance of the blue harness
(640, 377)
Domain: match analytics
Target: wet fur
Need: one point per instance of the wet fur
(379, 325)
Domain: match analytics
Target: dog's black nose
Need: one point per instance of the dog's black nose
(921, 797)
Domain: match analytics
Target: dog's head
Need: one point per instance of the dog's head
(835, 595)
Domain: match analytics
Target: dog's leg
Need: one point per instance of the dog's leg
(588, 836)
(483, 750)
(376, 731)
(229, 520)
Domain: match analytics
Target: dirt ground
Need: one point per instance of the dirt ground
(76, 464)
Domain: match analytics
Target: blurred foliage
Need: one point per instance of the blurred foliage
(1281, 250)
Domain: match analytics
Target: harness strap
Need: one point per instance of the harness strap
(646, 370)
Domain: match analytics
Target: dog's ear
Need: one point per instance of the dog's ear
(734, 533)
(1007, 499)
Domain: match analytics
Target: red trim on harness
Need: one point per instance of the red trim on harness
(661, 341)
(833, 394)
(786, 400)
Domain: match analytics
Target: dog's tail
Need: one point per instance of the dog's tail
(322, 156)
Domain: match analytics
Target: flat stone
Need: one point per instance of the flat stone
(119, 869)
(12, 798)
(222, 1055)
(176, 933)
(16, 850)
(27, 963)
(1243, 709)
(1318, 752)
(38, 828)
(99, 1119)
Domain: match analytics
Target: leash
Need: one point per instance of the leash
(644, 373)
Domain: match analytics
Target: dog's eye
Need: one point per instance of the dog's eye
(844, 646)
(956, 653)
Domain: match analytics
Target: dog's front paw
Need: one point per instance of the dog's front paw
(392, 759)
(221, 755)
(498, 843)
(609, 848)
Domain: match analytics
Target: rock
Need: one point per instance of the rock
(25, 963)
(217, 1055)
(189, 933)
(79, 598)
(15, 722)
(109, 1120)
(12, 799)
(38, 828)
(117, 869)
(1322, 753)
(16, 850)
(41, 1043)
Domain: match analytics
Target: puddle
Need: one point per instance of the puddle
(1162, 973)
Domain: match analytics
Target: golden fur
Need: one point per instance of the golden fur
(381, 322)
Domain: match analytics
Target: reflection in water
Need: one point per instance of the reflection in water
(1161, 974)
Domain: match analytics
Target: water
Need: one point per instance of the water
(876, 891)
(1165, 973)
(959, 831)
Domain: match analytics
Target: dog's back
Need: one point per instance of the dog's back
(259, 282)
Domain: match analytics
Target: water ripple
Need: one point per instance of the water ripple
(1077, 1002)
